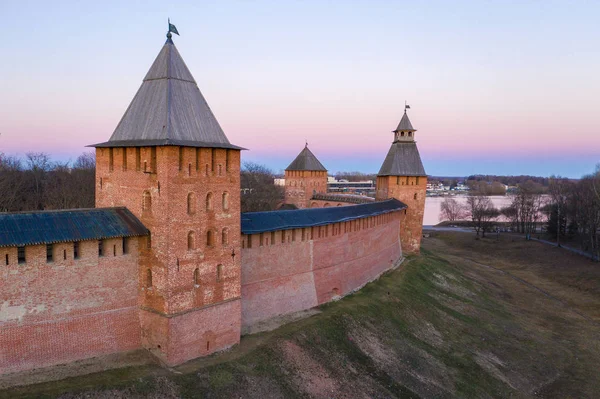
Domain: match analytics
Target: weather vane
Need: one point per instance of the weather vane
(406, 106)
(172, 29)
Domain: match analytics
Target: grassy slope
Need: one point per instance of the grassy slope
(440, 326)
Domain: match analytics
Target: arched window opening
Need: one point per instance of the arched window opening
(219, 272)
(197, 277)
(401, 134)
(147, 202)
(191, 241)
(210, 238)
(189, 169)
(225, 236)
(209, 202)
(148, 278)
(225, 201)
(409, 134)
(220, 169)
(191, 204)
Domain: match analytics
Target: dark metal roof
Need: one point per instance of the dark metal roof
(349, 198)
(405, 124)
(47, 227)
(163, 142)
(168, 109)
(403, 159)
(260, 222)
(306, 160)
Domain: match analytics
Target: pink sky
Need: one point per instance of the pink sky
(489, 93)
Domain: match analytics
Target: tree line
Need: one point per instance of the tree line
(569, 209)
(36, 182)
(512, 180)
(259, 192)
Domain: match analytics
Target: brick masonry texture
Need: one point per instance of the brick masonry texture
(411, 191)
(188, 288)
(325, 204)
(291, 270)
(301, 184)
(189, 199)
(68, 309)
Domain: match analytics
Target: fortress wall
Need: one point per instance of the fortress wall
(324, 204)
(68, 309)
(318, 265)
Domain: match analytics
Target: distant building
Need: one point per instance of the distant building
(365, 187)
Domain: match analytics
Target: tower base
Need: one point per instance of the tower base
(176, 339)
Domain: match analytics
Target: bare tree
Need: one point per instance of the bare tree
(588, 213)
(38, 183)
(482, 213)
(559, 190)
(83, 175)
(259, 192)
(525, 210)
(452, 210)
(11, 183)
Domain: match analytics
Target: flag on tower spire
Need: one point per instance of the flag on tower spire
(172, 28)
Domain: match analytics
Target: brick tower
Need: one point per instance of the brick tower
(304, 177)
(169, 162)
(403, 177)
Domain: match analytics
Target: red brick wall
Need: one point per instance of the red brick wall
(198, 332)
(313, 265)
(184, 278)
(326, 204)
(58, 312)
(411, 191)
(300, 185)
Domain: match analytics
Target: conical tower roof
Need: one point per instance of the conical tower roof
(168, 109)
(306, 160)
(403, 158)
(405, 124)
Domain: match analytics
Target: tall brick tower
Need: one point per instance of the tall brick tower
(304, 177)
(169, 162)
(403, 177)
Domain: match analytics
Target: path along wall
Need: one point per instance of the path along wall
(77, 306)
(288, 271)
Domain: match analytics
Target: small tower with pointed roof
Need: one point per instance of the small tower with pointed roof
(304, 177)
(403, 177)
(170, 163)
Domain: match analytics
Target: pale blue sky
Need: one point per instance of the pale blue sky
(495, 87)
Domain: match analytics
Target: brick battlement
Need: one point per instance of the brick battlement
(347, 198)
(296, 269)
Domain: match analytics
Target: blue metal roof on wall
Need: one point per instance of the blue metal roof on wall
(47, 227)
(260, 222)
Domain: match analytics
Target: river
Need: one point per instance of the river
(433, 205)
